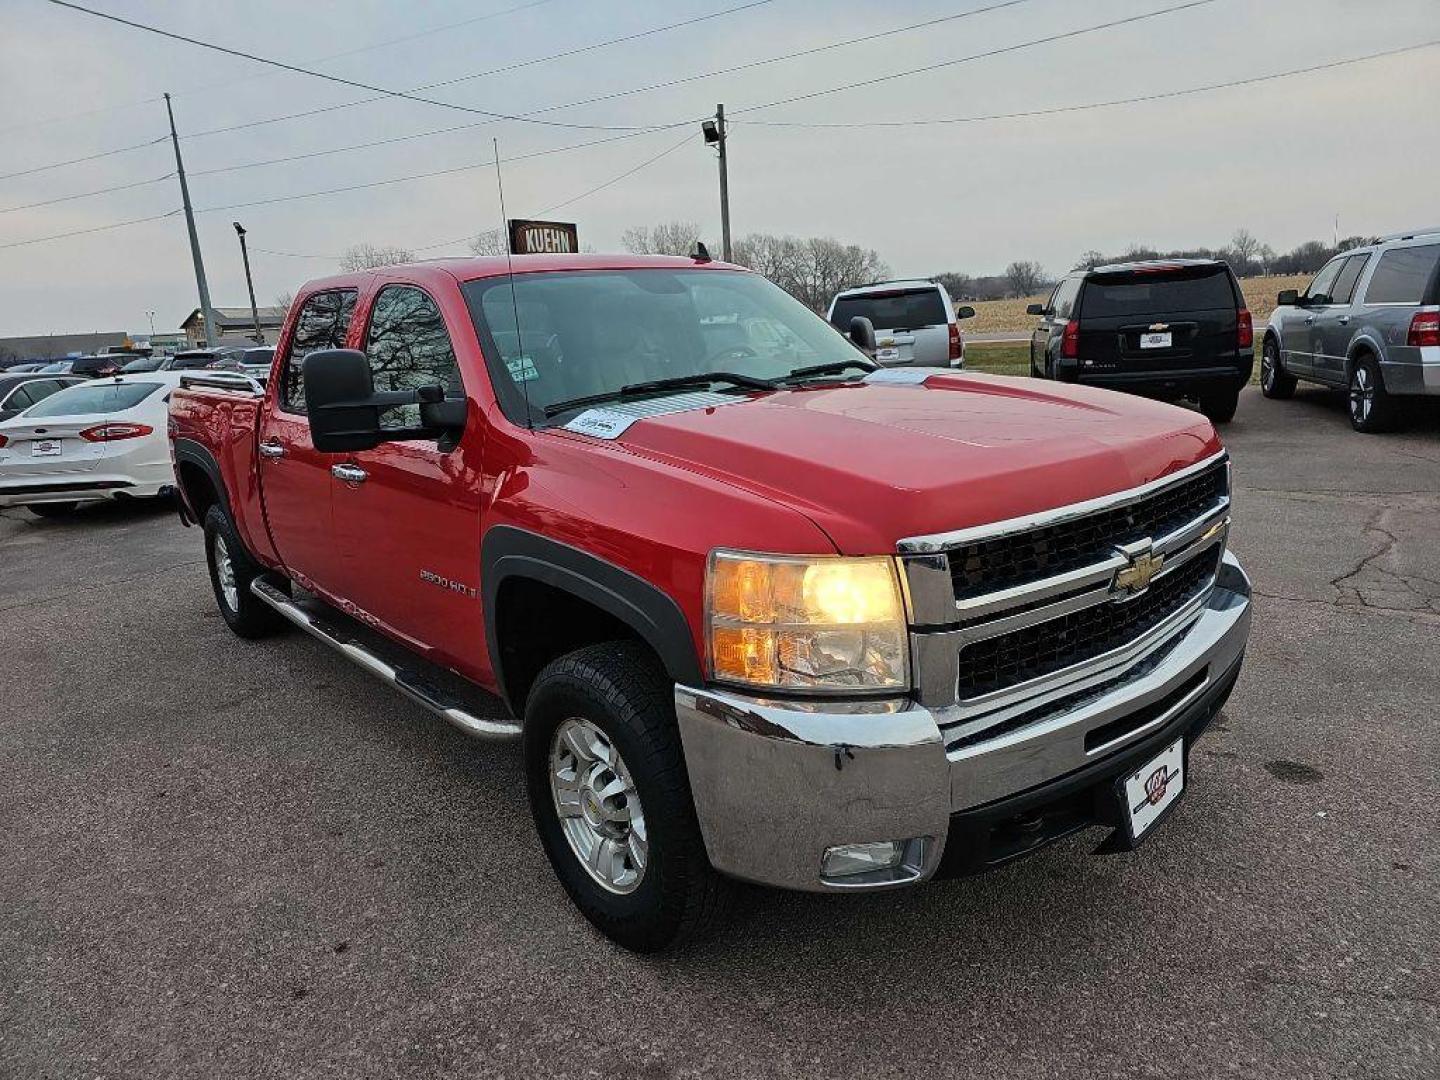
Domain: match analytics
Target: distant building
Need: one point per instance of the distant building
(234, 326)
(58, 346)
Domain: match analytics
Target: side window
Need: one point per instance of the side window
(1402, 275)
(1063, 302)
(1319, 288)
(408, 346)
(323, 323)
(1344, 288)
(22, 398)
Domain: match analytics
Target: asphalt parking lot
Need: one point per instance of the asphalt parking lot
(224, 858)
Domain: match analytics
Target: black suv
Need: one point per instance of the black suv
(1168, 329)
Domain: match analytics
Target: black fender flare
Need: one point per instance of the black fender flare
(190, 452)
(508, 552)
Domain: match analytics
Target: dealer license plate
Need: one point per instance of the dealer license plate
(1153, 788)
(45, 448)
(887, 354)
(1156, 341)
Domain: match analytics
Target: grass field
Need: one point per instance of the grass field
(1008, 316)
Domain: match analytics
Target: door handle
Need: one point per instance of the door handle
(351, 474)
(272, 450)
(1309, 319)
(1344, 320)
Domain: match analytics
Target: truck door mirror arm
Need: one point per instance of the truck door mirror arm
(344, 408)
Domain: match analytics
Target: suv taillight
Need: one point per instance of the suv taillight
(1244, 329)
(1070, 340)
(1424, 329)
(957, 350)
(115, 432)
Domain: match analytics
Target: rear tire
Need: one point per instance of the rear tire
(1372, 410)
(52, 510)
(231, 570)
(1219, 403)
(626, 786)
(1274, 383)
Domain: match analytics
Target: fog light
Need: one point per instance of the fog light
(848, 859)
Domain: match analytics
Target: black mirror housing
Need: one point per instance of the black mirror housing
(1287, 298)
(862, 334)
(965, 311)
(338, 393)
(1035, 309)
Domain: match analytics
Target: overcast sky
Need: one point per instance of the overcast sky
(1281, 158)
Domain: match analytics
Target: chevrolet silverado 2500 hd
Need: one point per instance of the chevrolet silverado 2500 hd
(756, 609)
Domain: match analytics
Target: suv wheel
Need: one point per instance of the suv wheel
(1218, 403)
(231, 571)
(1274, 383)
(611, 798)
(1371, 408)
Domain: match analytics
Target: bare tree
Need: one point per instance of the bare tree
(1025, 277)
(368, 256)
(490, 242)
(284, 300)
(958, 285)
(667, 238)
(1090, 259)
(1245, 246)
(811, 270)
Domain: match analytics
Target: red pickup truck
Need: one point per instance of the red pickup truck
(756, 609)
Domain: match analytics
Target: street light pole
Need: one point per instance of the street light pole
(249, 284)
(206, 313)
(714, 131)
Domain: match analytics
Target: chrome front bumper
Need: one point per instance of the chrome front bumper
(777, 783)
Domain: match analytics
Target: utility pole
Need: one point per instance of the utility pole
(254, 311)
(714, 131)
(205, 311)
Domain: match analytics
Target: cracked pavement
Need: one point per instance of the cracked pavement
(237, 859)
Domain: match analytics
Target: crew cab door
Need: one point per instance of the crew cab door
(407, 513)
(1333, 329)
(295, 481)
(1299, 336)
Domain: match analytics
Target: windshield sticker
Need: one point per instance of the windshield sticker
(601, 423)
(521, 368)
(900, 376)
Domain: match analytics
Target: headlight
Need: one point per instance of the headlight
(804, 623)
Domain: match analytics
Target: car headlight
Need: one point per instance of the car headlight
(806, 623)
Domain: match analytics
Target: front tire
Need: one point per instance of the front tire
(611, 798)
(1274, 383)
(231, 570)
(1219, 404)
(1371, 408)
(53, 510)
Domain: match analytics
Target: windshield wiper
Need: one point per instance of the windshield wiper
(660, 386)
(835, 367)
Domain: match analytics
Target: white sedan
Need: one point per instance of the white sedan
(102, 439)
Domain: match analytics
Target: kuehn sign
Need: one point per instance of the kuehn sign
(543, 237)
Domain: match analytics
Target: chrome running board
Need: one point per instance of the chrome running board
(410, 683)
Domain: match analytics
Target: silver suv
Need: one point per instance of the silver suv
(1369, 321)
(915, 322)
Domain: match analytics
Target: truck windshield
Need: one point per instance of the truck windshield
(589, 332)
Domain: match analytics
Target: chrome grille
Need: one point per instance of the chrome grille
(987, 565)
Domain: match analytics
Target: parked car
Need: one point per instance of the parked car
(757, 608)
(98, 439)
(25, 368)
(257, 362)
(1167, 329)
(20, 391)
(192, 360)
(141, 364)
(915, 322)
(1369, 321)
(90, 367)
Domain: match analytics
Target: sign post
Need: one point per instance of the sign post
(543, 237)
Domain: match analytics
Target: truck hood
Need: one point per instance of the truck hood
(873, 463)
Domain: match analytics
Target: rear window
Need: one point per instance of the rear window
(92, 398)
(905, 309)
(1156, 293)
(1402, 275)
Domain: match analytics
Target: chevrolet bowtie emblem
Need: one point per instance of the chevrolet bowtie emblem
(1135, 577)
(1159, 326)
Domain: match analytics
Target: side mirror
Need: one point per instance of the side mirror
(965, 312)
(1035, 309)
(862, 334)
(1287, 298)
(344, 409)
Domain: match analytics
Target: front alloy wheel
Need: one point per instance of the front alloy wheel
(1274, 382)
(598, 807)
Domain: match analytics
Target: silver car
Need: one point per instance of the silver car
(1369, 322)
(915, 322)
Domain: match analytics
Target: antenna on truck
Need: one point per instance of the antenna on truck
(514, 304)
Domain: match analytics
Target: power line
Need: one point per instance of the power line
(973, 56)
(87, 194)
(92, 229)
(299, 70)
(1023, 114)
(87, 157)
